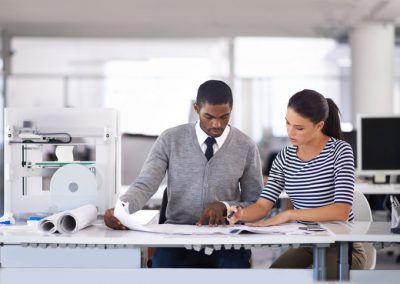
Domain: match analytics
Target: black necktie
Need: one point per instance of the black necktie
(210, 151)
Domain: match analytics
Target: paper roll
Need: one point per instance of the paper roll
(69, 222)
(49, 224)
(72, 186)
(74, 220)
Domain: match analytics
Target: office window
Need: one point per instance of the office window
(152, 82)
(270, 70)
(156, 94)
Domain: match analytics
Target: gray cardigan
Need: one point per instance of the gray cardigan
(233, 174)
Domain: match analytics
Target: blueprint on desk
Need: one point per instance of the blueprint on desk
(132, 222)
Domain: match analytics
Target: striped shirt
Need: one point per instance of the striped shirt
(324, 180)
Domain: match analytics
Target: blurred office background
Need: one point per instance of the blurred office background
(147, 58)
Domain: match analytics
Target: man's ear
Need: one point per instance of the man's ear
(197, 107)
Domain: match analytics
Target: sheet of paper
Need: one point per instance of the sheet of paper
(282, 229)
(132, 222)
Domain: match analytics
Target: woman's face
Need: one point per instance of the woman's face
(301, 130)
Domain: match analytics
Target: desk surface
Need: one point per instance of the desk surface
(99, 234)
(362, 232)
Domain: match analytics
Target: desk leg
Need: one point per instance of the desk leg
(319, 266)
(344, 265)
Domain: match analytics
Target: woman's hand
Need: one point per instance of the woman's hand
(234, 214)
(280, 218)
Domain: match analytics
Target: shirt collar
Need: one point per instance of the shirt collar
(202, 136)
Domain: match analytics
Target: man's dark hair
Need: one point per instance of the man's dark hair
(214, 92)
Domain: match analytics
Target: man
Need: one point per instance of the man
(210, 165)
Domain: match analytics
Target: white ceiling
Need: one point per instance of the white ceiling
(191, 18)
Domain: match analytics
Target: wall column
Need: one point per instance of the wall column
(372, 57)
(5, 70)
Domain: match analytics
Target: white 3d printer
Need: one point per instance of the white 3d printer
(57, 159)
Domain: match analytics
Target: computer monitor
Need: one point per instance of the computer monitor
(378, 143)
(351, 138)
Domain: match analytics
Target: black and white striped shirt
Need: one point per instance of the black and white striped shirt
(326, 179)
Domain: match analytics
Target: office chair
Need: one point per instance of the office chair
(161, 220)
(362, 212)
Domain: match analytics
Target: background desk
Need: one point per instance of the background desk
(366, 188)
(369, 188)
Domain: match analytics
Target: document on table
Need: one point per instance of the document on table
(132, 222)
(284, 229)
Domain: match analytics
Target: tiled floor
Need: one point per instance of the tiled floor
(388, 258)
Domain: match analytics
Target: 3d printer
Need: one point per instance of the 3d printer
(57, 159)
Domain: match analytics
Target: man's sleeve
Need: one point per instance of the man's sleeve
(150, 177)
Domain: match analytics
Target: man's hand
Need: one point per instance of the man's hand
(214, 213)
(111, 221)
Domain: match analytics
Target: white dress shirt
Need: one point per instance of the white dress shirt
(202, 136)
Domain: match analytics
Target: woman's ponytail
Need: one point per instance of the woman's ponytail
(332, 123)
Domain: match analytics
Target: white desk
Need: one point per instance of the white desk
(345, 234)
(100, 253)
(369, 188)
(98, 247)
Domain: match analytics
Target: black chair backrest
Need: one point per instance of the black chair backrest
(164, 202)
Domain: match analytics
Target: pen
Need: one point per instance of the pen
(231, 213)
(312, 229)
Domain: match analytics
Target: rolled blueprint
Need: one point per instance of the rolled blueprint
(69, 222)
(49, 224)
(74, 220)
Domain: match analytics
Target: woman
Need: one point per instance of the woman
(317, 173)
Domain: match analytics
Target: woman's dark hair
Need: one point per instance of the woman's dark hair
(214, 92)
(312, 105)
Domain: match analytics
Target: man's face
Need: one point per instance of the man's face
(213, 118)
